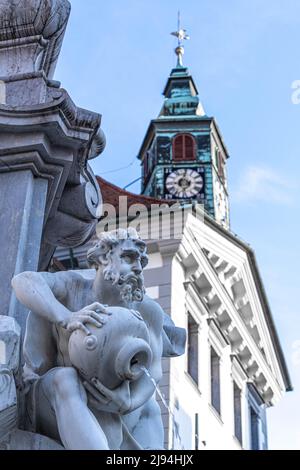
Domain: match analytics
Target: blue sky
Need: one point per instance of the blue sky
(244, 57)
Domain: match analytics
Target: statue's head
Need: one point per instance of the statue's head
(121, 256)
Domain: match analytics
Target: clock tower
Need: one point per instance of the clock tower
(183, 154)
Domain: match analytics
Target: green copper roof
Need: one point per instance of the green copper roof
(181, 95)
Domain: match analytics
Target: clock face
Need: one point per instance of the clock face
(184, 183)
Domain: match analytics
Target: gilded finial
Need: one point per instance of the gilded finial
(182, 36)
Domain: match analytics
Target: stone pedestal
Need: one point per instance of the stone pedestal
(48, 193)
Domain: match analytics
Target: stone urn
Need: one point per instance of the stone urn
(32, 32)
(116, 352)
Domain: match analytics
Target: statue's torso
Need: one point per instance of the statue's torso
(78, 294)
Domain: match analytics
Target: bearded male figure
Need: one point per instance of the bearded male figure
(62, 405)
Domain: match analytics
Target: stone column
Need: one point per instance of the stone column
(48, 193)
(22, 208)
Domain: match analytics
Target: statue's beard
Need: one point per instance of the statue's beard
(130, 286)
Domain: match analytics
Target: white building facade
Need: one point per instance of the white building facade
(233, 370)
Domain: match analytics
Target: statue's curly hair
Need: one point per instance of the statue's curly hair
(100, 253)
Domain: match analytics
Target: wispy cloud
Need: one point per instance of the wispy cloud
(261, 184)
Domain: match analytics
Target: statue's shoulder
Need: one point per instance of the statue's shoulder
(87, 274)
(151, 308)
(80, 275)
(148, 301)
(65, 282)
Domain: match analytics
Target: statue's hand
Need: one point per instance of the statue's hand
(92, 314)
(104, 399)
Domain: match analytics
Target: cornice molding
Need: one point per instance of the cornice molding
(216, 335)
(236, 331)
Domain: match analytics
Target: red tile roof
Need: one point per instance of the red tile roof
(111, 195)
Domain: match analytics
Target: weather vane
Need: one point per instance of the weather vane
(181, 35)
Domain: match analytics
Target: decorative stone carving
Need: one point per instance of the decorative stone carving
(93, 349)
(36, 28)
(10, 338)
(45, 147)
(9, 364)
(8, 403)
(12, 438)
(20, 440)
(118, 351)
(59, 155)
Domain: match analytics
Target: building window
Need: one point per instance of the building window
(258, 420)
(193, 349)
(215, 380)
(237, 402)
(254, 424)
(184, 148)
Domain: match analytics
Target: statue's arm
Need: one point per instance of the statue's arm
(130, 396)
(174, 338)
(40, 292)
(141, 392)
(43, 294)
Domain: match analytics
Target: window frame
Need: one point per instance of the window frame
(238, 424)
(257, 418)
(184, 158)
(215, 400)
(196, 326)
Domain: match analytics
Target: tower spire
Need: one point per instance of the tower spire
(181, 35)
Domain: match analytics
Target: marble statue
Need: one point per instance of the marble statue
(93, 348)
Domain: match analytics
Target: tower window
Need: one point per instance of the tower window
(215, 380)
(193, 349)
(184, 148)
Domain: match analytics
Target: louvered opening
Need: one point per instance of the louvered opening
(179, 148)
(184, 148)
(189, 148)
